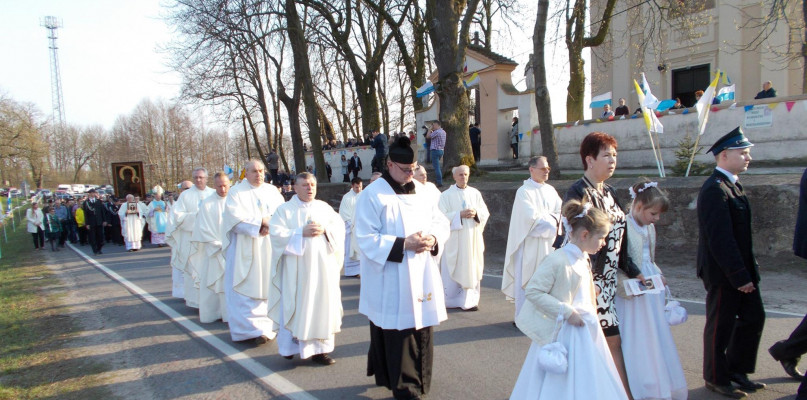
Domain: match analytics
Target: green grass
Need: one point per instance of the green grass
(34, 329)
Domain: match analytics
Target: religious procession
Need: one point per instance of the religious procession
(407, 200)
(579, 271)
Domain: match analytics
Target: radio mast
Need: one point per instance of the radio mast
(53, 24)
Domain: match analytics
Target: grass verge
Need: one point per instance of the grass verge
(35, 359)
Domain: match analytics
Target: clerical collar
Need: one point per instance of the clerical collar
(532, 182)
(732, 178)
(408, 188)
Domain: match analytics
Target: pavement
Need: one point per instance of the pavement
(156, 348)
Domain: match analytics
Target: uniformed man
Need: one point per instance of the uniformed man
(726, 264)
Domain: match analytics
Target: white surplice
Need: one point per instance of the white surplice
(401, 295)
(177, 275)
(178, 235)
(347, 210)
(534, 224)
(305, 299)
(430, 190)
(132, 225)
(463, 261)
(209, 259)
(248, 257)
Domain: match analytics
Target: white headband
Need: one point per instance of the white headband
(644, 187)
(566, 225)
(586, 207)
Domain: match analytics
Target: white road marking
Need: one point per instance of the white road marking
(266, 375)
(790, 314)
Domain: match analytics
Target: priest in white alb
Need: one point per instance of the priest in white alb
(400, 231)
(534, 225)
(248, 255)
(207, 255)
(463, 260)
(424, 186)
(307, 253)
(347, 208)
(177, 275)
(184, 220)
(132, 220)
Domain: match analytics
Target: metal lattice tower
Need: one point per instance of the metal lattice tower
(52, 24)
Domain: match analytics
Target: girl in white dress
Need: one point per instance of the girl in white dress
(562, 285)
(651, 358)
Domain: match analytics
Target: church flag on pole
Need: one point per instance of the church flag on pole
(425, 89)
(601, 100)
(726, 93)
(705, 103)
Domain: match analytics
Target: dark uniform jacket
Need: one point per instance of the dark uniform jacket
(725, 247)
(800, 236)
(95, 214)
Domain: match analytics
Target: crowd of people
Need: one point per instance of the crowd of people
(580, 270)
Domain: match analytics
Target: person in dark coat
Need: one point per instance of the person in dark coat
(96, 218)
(476, 140)
(726, 264)
(789, 352)
(767, 91)
(354, 165)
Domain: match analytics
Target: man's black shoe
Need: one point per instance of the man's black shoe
(790, 368)
(322, 359)
(474, 308)
(728, 391)
(744, 383)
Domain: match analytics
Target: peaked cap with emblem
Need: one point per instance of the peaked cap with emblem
(732, 140)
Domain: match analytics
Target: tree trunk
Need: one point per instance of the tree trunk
(549, 148)
(575, 92)
(449, 55)
(804, 49)
(576, 41)
(302, 71)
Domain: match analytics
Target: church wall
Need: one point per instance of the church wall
(785, 139)
(720, 38)
(774, 199)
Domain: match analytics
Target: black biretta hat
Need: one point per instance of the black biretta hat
(732, 140)
(401, 151)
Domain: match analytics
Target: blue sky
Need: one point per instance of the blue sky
(107, 52)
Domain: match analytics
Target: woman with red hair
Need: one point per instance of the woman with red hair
(598, 154)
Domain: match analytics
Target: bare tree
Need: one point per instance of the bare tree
(576, 42)
(542, 98)
(449, 22)
(302, 71)
(787, 15)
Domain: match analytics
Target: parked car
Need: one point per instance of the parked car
(78, 188)
(65, 196)
(65, 188)
(4, 192)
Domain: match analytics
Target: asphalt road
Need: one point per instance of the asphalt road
(158, 349)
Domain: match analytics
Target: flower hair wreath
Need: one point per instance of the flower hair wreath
(644, 187)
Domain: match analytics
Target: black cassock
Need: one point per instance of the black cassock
(734, 320)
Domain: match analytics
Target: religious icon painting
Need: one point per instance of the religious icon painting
(128, 178)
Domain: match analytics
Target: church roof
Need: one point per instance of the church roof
(498, 58)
